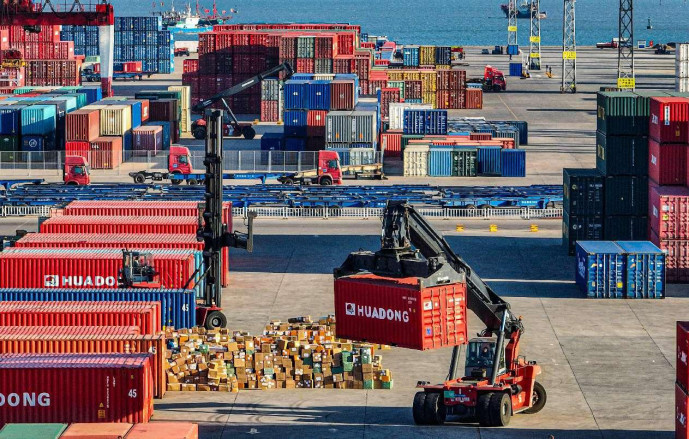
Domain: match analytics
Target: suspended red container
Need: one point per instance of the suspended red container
(66, 388)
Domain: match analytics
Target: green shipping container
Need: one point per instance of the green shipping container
(464, 162)
(397, 84)
(616, 113)
(621, 155)
(407, 137)
(626, 195)
(625, 228)
(9, 148)
(32, 431)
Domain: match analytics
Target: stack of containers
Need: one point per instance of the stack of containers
(668, 136)
(622, 269)
(83, 139)
(391, 139)
(165, 109)
(584, 198)
(270, 100)
(49, 61)
(451, 89)
(622, 158)
(682, 67)
(137, 39)
(353, 134)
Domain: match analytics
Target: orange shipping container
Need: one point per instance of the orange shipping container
(96, 431)
(474, 99)
(166, 430)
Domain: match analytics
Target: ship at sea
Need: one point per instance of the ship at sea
(525, 10)
(192, 22)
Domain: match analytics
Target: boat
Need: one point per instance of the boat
(189, 21)
(524, 10)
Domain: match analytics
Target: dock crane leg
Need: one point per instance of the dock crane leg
(106, 38)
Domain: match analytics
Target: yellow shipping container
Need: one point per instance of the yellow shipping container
(428, 80)
(412, 75)
(395, 75)
(428, 97)
(427, 55)
(115, 120)
(442, 67)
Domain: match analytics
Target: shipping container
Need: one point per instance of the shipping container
(489, 160)
(617, 113)
(167, 430)
(682, 366)
(32, 431)
(391, 143)
(114, 224)
(474, 99)
(76, 388)
(513, 163)
(600, 269)
(625, 228)
(115, 120)
(343, 95)
(440, 161)
(432, 122)
(87, 340)
(580, 228)
(415, 158)
(28, 312)
(101, 430)
(400, 312)
(621, 155)
(464, 161)
(626, 195)
(669, 119)
(109, 240)
(677, 260)
(82, 125)
(396, 113)
(681, 412)
(645, 268)
(669, 211)
(667, 163)
(273, 142)
(147, 140)
(583, 191)
(103, 152)
(38, 119)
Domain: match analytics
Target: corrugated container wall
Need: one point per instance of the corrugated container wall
(400, 312)
(583, 191)
(600, 269)
(645, 265)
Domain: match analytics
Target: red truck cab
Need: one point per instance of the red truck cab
(329, 167)
(494, 79)
(179, 160)
(76, 171)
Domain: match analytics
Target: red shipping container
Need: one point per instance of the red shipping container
(412, 89)
(96, 240)
(96, 431)
(92, 268)
(668, 211)
(343, 64)
(480, 136)
(363, 87)
(474, 99)
(190, 66)
(69, 388)
(206, 43)
(345, 43)
(82, 125)
(305, 65)
(449, 99)
(163, 109)
(147, 139)
(269, 111)
(677, 262)
(682, 359)
(400, 312)
(681, 399)
(391, 143)
(669, 120)
(667, 163)
(167, 430)
(316, 118)
(144, 315)
(325, 46)
(87, 340)
(342, 95)
(388, 95)
(104, 153)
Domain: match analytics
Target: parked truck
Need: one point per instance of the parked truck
(493, 80)
(76, 171)
(327, 171)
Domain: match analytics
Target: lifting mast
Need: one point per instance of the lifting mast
(535, 37)
(625, 46)
(569, 48)
(25, 13)
(512, 23)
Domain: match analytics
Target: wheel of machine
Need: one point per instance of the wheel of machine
(419, 409)
(215, 319)
(248, 133)
(538, 397)
(483, 409)
(176, 182)
(435, 409)
(500, 409)
(199, 133)
(470, 207)
(484, 206)
(288, 181)
(326, 181)
(139, 179)
(192, 182)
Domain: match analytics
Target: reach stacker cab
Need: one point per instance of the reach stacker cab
(76, 171)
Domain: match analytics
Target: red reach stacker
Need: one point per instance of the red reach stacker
(497, 381)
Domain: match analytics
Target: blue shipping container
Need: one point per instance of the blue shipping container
(513, 49)
(436, 122)
(645, 265)
(411, 56)
(489, 160)
(10, 119)
(515, 69)
(440, 162)
(38, 119)
(513, 163)
(177, 307)
(318, 95)
(295, 123)
(295, 144)
(295, 95)
(273, 142)
(35, 144)
(414, 122)
(600, 269)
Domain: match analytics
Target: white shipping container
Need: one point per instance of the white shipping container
(115, 120)
(416, 160)
(397, 113)
(682, 52)
(682, 85)
(682, 69)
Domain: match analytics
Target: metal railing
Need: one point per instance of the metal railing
(369, 212)
(24, 211)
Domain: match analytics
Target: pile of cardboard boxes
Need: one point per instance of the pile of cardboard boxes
(297, 354)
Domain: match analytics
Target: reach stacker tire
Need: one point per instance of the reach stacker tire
(248, 133)
(419, 409)
(215, 319)
(199, 133)
(539, 398)
(500, 409)
(483, 409)
(435, 409)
